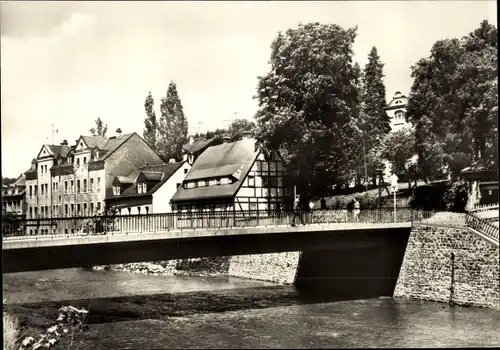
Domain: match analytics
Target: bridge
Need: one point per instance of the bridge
(52, 243)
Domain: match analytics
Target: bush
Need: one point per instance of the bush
(430, 196)
(455, 196)
(10, 332)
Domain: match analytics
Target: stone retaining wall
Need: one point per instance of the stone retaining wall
(450, 265)
(273, 267)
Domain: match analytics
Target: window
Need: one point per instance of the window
(178, 185)
(251, 181)
(46, 190)
(31, 212)
(35, 190)
(57, 186)
(185, 171)
(191, 159)
(139, 210)
(399, 115)
(72, 209)
(65, 186)
(84, 185)
(91, 184)
(98, 206)
(66, 209)
(84, 160)
(72, 189)
(31, 191)
(218, 180)
(78, 209)
(60, 199)
(129, 211)
(116, 190)
(35, 212)
(77, 186)
(77, 162)
(91, 208)
(98, 184)
(147, 210)
(84, 208)
(253, 206)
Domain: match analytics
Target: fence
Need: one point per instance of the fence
(484, 207)
(482, 226)
(199, 220)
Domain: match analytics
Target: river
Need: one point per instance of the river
(134, 311)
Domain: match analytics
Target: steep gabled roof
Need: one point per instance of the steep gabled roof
(220, 161)
(199, 145)
(161, 173)
(94, 141)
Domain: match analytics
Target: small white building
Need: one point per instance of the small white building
(147, 190)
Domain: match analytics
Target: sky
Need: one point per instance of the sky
(67, 63)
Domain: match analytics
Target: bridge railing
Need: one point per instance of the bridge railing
(482, 225)
(199, 220)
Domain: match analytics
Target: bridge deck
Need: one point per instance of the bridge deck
(40, 241)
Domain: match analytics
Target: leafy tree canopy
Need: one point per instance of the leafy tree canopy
(308, 103)
(454, 103)
(100, 128)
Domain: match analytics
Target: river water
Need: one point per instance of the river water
(133, 311)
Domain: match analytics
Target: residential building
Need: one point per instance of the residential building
(14, 197)
(234, 176)
(483, 185)
(147, 190)
(396, 110)
(192, 149)
(68, 181)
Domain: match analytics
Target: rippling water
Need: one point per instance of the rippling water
(132, 311)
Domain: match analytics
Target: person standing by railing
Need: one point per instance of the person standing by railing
(356, 210)
(297, 211)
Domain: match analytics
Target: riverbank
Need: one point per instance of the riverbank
(274, 267)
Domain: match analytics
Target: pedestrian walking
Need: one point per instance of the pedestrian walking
(296, 210)
(355, 212)
(323, 203)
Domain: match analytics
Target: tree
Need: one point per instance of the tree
(308, 104)
(373, 122)
(376, 122)
(172, 127)
(398, 148)
(240, 126)
(6, 181)
(149, 132)
(100, 129)
(453, 103)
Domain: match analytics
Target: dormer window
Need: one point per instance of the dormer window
(116, 190)
(141, 187)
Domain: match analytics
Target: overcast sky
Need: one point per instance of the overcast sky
(67, 63)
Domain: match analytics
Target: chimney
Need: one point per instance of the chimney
(226, 139)
(191, 139)
(64, 143)
(172, 161)
(118, 132)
